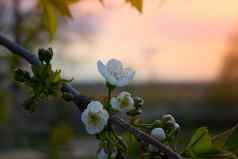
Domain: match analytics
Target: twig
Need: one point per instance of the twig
(82, 101)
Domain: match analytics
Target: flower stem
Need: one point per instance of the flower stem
(110, 89)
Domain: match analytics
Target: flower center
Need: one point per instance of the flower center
(94, 119)
(124, 102)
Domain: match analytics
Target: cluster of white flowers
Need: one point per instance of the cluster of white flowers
(95, 117)
(159, 133)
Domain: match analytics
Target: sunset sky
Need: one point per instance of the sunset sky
(175, 40)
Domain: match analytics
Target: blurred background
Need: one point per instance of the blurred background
(185, 53)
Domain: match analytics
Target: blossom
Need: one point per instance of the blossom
(95, 117)
(102, 154)
(114, 73)
(123, 102)
(158, 133)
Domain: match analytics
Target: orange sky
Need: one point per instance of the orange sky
(178, 40)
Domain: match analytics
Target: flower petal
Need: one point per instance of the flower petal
(127, 75)
(130, 73)
(104, 72)
(84, 116)
(115, 103)
(95, 106)
(102, 68)
(114, 65)
(93, 129)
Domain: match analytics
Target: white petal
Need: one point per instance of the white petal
(127, 76)
(114, 65)
(102, 68)
(115, 103)
(92, 129)
(105, 115)
(123, 94)
(104, 72)
(110, 78)
(130, 73)
(131, 103)
(95, 106)
(84, 116)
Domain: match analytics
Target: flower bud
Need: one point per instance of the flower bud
(168, 118)
(173, 125)
(158, 133)
(139, 102)
(101, 154)
(176, 126)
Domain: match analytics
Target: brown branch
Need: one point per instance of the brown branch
(82, 101)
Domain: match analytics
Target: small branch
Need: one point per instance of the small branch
(82, 101)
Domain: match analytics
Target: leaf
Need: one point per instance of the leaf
(62, 6)
(201, 143)
(220, 139)
(49, 16)
(221, 155)
(138, 4)
(51, 10)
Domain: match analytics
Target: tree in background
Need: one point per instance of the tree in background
(225, 90)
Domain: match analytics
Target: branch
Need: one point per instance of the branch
(82, 101)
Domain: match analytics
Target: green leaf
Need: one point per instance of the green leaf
(49, 16)
(201, 143)
(62, 6)
(138, 4)
(220, 139)
(52, 9)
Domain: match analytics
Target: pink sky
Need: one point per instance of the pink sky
(179, 40)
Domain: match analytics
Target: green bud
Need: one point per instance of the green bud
(45, 56)
(157, 123)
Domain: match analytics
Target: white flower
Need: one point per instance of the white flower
(102, 154)
(114, 73)
(158, 133)
(95, 117)
(123, 102)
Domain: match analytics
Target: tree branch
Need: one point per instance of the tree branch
(82, 101)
